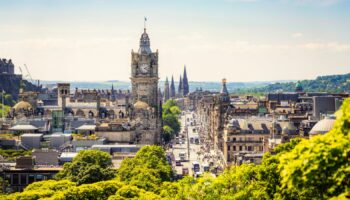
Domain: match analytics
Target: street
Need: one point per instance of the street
(190, 148)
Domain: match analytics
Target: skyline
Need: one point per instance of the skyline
(240, 40)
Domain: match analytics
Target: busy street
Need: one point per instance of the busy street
(191, 151)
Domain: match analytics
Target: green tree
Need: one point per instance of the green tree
(319, 168)
(171, 121)
(168, 133)
(88, 166)
(6, 110)
(147, 170)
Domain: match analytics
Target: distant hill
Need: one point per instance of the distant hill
(330, 83)
(124, 85)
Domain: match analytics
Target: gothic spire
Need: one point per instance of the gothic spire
(172, 87)
(224, 90)
(185, 83)
(180, 88)
(113, 97)
(166, 90)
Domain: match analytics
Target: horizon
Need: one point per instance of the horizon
(240, 40)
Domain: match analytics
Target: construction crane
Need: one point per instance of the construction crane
(28, 74)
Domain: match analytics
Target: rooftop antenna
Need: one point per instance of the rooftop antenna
(144, 24)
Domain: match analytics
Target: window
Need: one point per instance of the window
(234, 139)
(23, 178)
(30, 178)
(228, 148)
(15, 179)
(250, 148)
(39, 177)
(234, 148)
(240, 148)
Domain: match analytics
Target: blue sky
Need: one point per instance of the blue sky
(241, 40)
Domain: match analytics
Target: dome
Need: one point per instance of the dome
(145, 44)
(22, 105)
(141, 105)
(323, 126)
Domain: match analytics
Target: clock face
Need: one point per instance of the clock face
(144, 68)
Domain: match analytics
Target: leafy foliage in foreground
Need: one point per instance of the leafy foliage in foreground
(318, 168)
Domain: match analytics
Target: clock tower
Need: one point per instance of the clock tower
(144, 73)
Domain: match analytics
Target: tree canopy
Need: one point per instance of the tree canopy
(171, 121)
(88, 166)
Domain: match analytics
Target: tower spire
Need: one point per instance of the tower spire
(166, 90)
(186, 89)
(172, 87)
(144, 24)
(180, 89)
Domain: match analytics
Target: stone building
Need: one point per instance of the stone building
(6, 66)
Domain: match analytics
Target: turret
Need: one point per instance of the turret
(145, 44)
(224, 95)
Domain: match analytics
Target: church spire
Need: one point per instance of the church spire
(113, 97)
(185, 83)
(180, 89)
(172, 87)
(166, 90)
